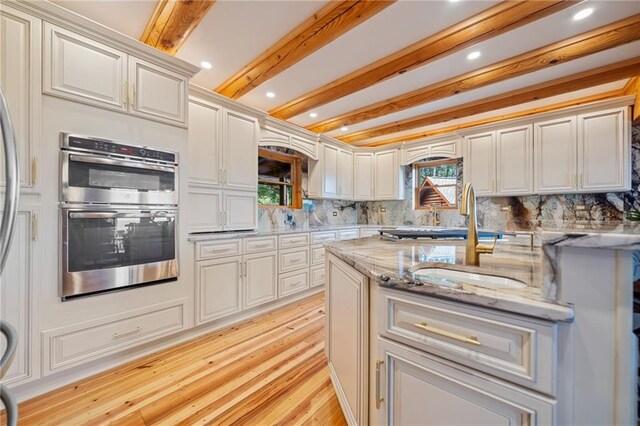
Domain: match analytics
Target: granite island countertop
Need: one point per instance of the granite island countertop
(390, 263)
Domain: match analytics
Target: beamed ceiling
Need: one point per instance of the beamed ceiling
(379, 72)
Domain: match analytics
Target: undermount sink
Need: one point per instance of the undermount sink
(451, 277)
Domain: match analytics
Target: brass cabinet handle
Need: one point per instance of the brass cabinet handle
(34, 170)
(379, 400)
(125, 333)
(460, 338)
(34, 227)
(125, 94)
(133, 96)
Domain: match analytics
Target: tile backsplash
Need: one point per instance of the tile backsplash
(495, 212)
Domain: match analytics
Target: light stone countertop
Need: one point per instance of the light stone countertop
(213, 236)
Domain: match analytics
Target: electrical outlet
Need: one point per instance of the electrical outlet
(335, 213)
(383, 209)
(579, 207)
(505, 208)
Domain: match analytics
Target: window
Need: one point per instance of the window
(436, 184)
(279, 179)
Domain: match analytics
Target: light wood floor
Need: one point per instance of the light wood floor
(266, 371)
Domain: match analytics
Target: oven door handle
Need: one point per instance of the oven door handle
(110, 215)
(122, 163)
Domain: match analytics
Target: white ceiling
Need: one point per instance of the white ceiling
(234, 32)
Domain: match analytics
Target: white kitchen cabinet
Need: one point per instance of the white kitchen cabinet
(260, 278)
(414, 388)
(20, 78)
(480, 162)
(347, 295)
(514, 161)
(363, 172)
(219, 287)
(330, 171)
(555, 144)
(84, 70)
(240, 151)
(205, 210)
(240, 210)
(604, 151)
(345, 174)
(388, 182)
(156, 92)
(205, 124)
(17, 296)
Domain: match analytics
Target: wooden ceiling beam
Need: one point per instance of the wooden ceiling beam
(172, 22)
(444, 130)
(583, 80)
(489, 23)
(633, 88)
(606, 37)
(324, 26)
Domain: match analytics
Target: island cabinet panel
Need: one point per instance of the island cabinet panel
(347, 338)
(604, 151)
(555, 156)
(417, 389)
(514, 348)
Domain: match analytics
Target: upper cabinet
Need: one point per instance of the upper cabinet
(239, 151)
(388, 182)
(332, 175)
(479, 162)
(587, 153)
(205, 134)
(20, 76)
(84, 70)
(363, 175)
(345, 174)
(278, 133)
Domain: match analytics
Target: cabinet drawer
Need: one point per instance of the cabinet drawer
(257, 245)
(348, 234)
(290, 260)
(212, 250)
(317, 255)
(293, 282)
(83, 342)
(323, 237)
(293, 240)
(317, 275)
(518, 349)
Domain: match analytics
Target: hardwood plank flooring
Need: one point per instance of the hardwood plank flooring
(270, 370)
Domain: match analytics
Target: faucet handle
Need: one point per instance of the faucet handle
(487, 248)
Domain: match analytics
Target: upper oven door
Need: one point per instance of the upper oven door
(95, 179)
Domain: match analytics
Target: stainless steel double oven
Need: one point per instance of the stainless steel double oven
(119, 215)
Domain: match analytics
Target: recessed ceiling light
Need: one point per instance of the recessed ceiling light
(583, 14)
(271, 95)
(473, 55)
(313, 114)
(454, 1)
(344, 128)
(206, 65)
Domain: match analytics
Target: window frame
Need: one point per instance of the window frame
(419, 185)
(296, 176)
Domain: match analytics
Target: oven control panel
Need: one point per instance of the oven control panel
(109, 147)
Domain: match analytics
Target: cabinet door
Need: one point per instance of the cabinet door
(555, 156)
(204, 143)
(20, 72)
(240, 151)
(157, 93)
(260, 278)
(240, 210)
(514, 161)
(205, 210)
(345, 174)
(330, 171)
(418, 389)
(387, 184)
(480, 163)
(347, 338)
(218, 287)
(604, 151)
(83, 70)
(363, 176)
(16, 295)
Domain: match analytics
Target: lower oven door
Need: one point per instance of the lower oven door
(111, 249)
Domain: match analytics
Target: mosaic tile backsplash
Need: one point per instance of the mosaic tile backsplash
(523, 212)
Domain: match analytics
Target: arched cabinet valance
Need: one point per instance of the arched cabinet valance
(449, 147)
(276, 137)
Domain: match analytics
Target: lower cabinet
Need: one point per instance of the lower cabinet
(347, 296)
(260, 284)
(218, 288)
(413, 388)
(293, 282)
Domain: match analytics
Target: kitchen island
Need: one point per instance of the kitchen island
(404, 348)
